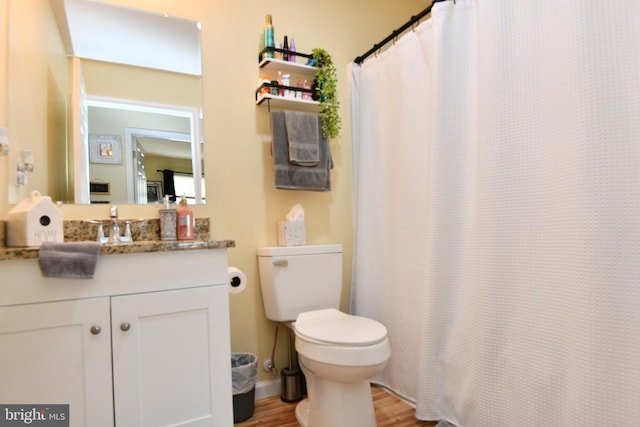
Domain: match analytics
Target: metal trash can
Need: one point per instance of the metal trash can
(244, 374)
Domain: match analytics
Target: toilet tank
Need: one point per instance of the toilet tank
(295, 279)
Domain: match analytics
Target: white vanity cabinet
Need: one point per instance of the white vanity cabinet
(165, 357)
(48, 356)
(144, 343)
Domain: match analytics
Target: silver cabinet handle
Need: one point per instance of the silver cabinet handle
(125, 326)
(95, 329)
(281, 262)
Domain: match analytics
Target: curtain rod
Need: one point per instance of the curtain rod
(183, 173)
(391, 37)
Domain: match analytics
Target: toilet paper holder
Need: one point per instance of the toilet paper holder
(237, 280)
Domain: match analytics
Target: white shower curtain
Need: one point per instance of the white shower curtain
(497, 182)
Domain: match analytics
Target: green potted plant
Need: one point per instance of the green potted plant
(324, 86)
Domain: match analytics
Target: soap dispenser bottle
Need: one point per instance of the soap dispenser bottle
(186, 221)
(168, 221)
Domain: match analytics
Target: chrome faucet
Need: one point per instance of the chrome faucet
(114, 228)
(114, 233)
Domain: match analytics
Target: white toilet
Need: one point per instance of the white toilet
(339, 353)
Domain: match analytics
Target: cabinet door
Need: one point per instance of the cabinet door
(49, 355)
(171, 358)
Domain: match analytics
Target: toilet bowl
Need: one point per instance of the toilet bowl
(339, 354)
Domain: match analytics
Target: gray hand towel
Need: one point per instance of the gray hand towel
(290, 176)
(302, 135)
(73, 260)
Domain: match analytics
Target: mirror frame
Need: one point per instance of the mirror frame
(80, 145)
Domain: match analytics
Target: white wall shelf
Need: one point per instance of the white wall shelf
(264, 93)
(287, 102)
(287, 66)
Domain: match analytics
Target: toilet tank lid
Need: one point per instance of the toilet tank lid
(299, 250)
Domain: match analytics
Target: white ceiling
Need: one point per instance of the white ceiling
(101, 31)
(176, 149)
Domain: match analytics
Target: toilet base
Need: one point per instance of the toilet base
(337, 404)
(302, 412)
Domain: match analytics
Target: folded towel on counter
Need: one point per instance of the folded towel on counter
(302, 135)
(73, 260)
(290, 176)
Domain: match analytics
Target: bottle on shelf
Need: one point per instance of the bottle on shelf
(261, 81)
(292, 48)
(269, 36)
(285, 46)
(286, 81)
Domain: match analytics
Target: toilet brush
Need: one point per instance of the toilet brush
(291, 379)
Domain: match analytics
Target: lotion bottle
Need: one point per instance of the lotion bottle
(186, 221)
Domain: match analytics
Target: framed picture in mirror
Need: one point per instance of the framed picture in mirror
(100, 188)
(105, 148)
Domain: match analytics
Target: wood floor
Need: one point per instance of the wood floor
(390, 411)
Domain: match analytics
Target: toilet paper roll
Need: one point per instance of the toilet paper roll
(237, 280)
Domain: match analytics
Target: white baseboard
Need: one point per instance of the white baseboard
(267, 388)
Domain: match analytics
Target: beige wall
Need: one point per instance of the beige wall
(36, 95)
(141, 84)
(4, 43)
(241, 199)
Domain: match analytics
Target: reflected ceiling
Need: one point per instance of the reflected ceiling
(122, 35)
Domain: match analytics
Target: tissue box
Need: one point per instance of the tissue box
(33, 221)
(291, 233)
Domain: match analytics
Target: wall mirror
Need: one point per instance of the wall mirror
(133, 106)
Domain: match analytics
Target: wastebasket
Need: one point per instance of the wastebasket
(244, 374)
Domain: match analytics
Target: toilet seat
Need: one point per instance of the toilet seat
(333, 327)
(332, 337)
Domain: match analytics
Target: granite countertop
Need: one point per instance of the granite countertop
(7, 254)
(146, 238)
